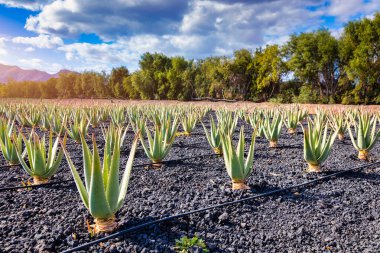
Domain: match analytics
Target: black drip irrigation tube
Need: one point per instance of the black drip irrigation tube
(71, 180)
(35, 186)
(180, 215)
(9, 165)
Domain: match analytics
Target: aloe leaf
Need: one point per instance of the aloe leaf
(87, 163)
(78, 181)
(112, 186)
(127, 173)
(98, 205)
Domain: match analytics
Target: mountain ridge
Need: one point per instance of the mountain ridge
(16, 73)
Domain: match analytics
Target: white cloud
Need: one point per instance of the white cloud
(247, 24)
(37, 63)
(3, 51)
(193, 28)
(41, 41)
(346, 9)
(31, 63)
(29, 49)
(121, 17)
(104, 56)
(32, 5)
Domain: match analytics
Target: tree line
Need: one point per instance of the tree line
(312, 67)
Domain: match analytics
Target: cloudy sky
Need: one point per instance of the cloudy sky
(98, 34)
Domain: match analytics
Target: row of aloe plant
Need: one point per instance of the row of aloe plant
(270, 121)
(267, 123)
(102, 191)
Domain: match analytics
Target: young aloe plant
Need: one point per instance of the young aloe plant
(80, 125)
(227, 121)
(292, 117)
(22, 119)
(320, 118)
(118, 116)
(339, 123)
(115, 133)
(161, 142)
(272, 129)
(317, 145)
(366, 134)
(34, 117)
(255, 120)
(57, 123)
(42, 166)
(45, 121)
(102, 193)
(135, 118)
(213, 137)
(9, 142)
(93, 116)
(237, 169)
(189, 122)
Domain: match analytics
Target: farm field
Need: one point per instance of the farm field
(334, 214)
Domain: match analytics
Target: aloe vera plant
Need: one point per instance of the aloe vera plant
(320, 118)
(30, 118)
(34, 117)
(160, 144)
(45, 122)
(255, 119)
(189, 122)
(317, 145)
(118, 116)
(102, 192)
(57, 123)
(114, 133)
(214, 138)
(366, 134)
(135, 118)
(272, 128)
(238, 169)
(93, 116)
(43, 161)
(292, 117)
(227, 121)
(80, 125)
(22, 119)
(9, 142)
(339, 123)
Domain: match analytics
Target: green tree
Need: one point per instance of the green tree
(48, 89)
(314, 59)
(130, 90)
(65, 85)
(180, 79)
(211, 80)
(268, 71)
(151, 81)
(116, 81)
(241, 71)
(360, 52)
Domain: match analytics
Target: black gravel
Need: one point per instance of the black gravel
(338, 215)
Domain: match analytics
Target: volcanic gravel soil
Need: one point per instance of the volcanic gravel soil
(338, 215)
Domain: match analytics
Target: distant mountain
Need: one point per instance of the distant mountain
(18, 74)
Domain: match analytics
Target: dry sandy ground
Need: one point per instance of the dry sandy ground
(214, 105)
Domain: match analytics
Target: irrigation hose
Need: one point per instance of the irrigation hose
(8, 166)
(34, 186)
(180, 215)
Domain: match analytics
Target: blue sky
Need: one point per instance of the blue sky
(97, 35)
